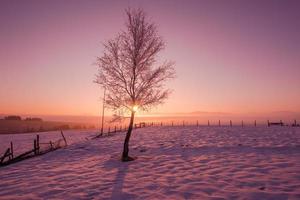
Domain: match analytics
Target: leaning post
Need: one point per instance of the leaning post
(62, 134)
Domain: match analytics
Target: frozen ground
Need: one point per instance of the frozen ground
(24, 141)
(173, 163)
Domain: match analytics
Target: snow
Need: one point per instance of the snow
(172, 163)
(24, 141)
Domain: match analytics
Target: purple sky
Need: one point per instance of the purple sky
(231, 56)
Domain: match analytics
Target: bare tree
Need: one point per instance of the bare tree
(129, 70)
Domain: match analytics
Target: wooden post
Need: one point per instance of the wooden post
(295, 123)
(281, 124)
(103, 107)
(12, 150)
(160, 123)
(172, 123)
(34, 146)
(62, 134)
(219, 122)
(242, 123)
(115, 129)
(268, 123)
(208, 123)
(197, 123)
(120, 128)
(108, 130)
(152, 124)
(255, 123)
(38, 143)
(183, 123)
(230, 123)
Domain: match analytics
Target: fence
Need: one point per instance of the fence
(217, 123)
(209, 123)
(38, 149)
(42, 148)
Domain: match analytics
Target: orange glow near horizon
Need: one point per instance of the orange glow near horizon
(237, 58)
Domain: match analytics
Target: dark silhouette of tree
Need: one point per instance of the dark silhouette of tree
(13, 117)
(129, 70)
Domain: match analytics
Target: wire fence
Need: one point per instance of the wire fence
(41, 147)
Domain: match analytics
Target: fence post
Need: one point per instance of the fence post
(197, 123)
(172, 123)
(161, 124)
(255, 123)
(281, 124)
(12, 150)
(51, 146)
(108, 130)
(34, 146)
(38, 143)
(115, 129)
(268, 123)
(219, 122)
(208, 123)
(242, 123)
(230, 123)
(62, 134)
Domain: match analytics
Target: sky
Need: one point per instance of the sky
(231, 56)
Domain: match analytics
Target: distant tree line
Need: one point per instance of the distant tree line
(33, 119)
(34, 124)
(12, 117)
(19, 118)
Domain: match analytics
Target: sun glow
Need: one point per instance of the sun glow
(135, 108)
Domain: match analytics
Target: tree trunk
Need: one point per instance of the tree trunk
(125, 156)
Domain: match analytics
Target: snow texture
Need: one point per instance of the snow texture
(172, 163)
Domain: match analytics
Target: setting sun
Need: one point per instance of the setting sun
(135, 108)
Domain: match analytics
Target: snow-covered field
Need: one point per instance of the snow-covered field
(24, 141)
(172, 163)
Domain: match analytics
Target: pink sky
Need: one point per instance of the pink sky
(231, 56)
